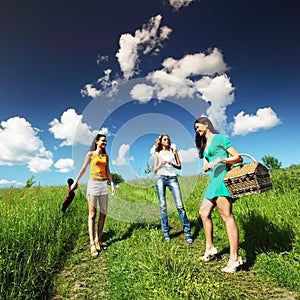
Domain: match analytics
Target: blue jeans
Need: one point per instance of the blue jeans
(172, 183)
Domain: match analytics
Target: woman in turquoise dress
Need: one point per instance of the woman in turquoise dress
(218, 156)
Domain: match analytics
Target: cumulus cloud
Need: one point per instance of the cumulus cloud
(19, 144)
(219, 92)
(180, 3)
(188, 156)
(142, 92)
(64, 165)
(152, 150)
(145, 40)
(10, 182)
(196, 64)
(199, 72)
(71, 123)
(122, 156)
(40, 164)
(265, 118)
(103, 84)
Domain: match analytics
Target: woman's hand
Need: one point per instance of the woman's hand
(163, 163)
(215, 162)
(113, 191)
(74, 185)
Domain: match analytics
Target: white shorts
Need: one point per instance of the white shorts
(97, 188)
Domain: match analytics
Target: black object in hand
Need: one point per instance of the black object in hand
(70, 195)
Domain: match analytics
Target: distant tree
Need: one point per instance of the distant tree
(30, 182)
(149, 168)
(271, 162)
(117, 179)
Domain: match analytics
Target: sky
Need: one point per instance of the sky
(135, 69)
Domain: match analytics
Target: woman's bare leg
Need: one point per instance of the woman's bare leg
(205, 212)
(103, 201)
(92, 215)
(225, 210)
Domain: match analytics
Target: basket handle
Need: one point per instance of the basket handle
(248, 155)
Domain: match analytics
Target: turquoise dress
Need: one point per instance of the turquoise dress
(217, 149)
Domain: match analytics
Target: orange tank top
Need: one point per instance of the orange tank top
(98, 166)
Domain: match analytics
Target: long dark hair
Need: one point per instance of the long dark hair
(201, 140)
(94, 145)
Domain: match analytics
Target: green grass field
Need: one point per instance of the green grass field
(44, 254)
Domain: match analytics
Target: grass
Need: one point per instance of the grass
(44, 254)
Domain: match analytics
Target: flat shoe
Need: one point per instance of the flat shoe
(93, 250)
(235, 268)
(99, 246)
(208, 256)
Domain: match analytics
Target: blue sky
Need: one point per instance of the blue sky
(135, 69)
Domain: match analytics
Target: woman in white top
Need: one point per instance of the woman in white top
(166, 161)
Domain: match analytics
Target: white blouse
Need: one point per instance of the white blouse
(167, 169)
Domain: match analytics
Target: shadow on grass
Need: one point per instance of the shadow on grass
(196, 226)
(112, 236)
(263, 236)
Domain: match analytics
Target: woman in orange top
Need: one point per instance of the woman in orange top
(97, 189)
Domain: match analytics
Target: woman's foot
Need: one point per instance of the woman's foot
(233, 266)
(167, 237)
(210, 255)
(94, 251)
(189, 239)
(100, 246)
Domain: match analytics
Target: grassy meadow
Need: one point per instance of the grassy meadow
(44, 254)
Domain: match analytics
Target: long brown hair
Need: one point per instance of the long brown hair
(201, 140)
(158, 145)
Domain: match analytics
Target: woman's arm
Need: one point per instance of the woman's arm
(109, 177)
(234, 157)
(206, 166)
(156, 167)
(83, 169)
(178, 162)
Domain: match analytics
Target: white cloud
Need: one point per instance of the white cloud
(179, 3)
(196, 64)
(265, 118)
(71, 129)
(167, 85)
(142, 92)
(19, 144)
(10, 182)
(145, 40)
(188, 156)
(180, 78)
(122, 156)
(220, 93)
(64, 165)
(152, 150)
(40, 164)
(105, 84)
(90, 90)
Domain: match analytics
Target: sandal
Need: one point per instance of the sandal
(100, 246)
(236, 266)
(210, 255)
(93, 250)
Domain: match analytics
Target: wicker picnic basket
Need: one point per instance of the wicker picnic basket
(248, 179)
